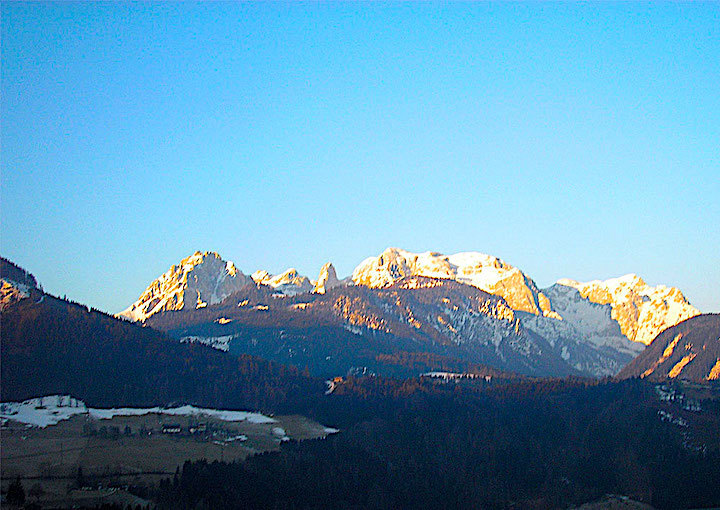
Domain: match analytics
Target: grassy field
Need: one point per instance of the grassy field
(131, 450)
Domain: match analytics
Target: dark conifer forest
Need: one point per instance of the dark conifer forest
(423, 444)
(51, 346)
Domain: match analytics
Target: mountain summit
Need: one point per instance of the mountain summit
(485, 272)
(288, 283)
(641, 311)
(327, 279)
(202, 278)
(596, 327)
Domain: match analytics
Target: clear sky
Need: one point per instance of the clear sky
(571, 140)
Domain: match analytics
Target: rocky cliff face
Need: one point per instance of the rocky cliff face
(641, 311)
(425, 311)
(15, 283)
(485, 272)
(200, 279)
(586, 335)
(288, 283)
(327, 279)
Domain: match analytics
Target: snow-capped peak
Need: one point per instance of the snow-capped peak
(641, 310)
(485, 272)
(198, 280)
(260, 276)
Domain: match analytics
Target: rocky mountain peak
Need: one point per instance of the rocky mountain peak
(288, 283)
(327, 279)
(641, 311)
(483, 271)
(198, 280)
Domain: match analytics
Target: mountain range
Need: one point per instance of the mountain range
(592, 328)
(468, 408)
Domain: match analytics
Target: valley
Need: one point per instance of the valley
(411, 377)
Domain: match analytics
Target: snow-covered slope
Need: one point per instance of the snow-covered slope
(485, 272)
(45, 411)
(641, 311)
(11, 292)
(586, 336)
(442, 312)
(200, 279)
(15, 283)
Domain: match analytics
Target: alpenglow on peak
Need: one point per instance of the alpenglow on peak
(641, 311)
(485, 272)
(198, 280)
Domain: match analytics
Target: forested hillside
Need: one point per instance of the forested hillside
(51, 346)
(422, 444)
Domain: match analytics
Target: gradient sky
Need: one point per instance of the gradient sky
(578, 141)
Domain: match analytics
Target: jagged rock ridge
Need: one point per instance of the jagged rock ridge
(288, 283)
(641, 311)
(485, 272)
(595, 327)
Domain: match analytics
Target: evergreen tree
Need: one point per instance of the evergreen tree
(16, 493)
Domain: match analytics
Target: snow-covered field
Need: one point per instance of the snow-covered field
(44, 411)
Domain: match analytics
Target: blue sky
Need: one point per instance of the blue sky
(571, 140)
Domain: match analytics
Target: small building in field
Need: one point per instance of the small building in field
(171, 428)
(199, 428)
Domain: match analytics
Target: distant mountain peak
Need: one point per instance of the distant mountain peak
(198, 280)
(480, 270)
(641, 310)
(260, 276)
(595, 327)
(288, 283)
(327, 279)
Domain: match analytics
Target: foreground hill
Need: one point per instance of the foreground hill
(52, 346)
(689, 350)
